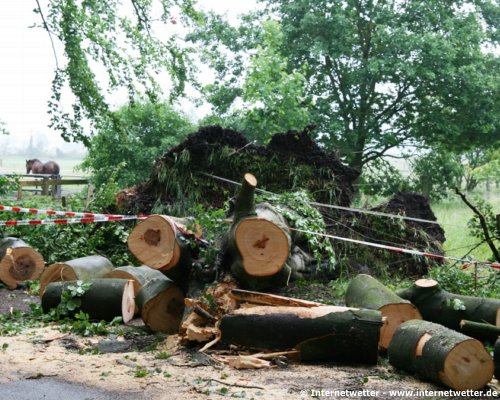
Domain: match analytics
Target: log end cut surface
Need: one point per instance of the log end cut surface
(153, 241)
(55, 273)
(467, 366)
(263, 246)
(396, 314)
(19, 265)
(163, 313)
(128, 302)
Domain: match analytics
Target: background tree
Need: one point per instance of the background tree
(148, 130)
(3, 128)
(382, 74)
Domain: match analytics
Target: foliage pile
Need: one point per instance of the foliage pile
(290, 161)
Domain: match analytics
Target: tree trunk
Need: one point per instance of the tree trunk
(478, 330)
(84, 268)
(448, 309)
(160, 242)
(140, 276)
(162, 305)
(365, 291)
(104, 300)
(441, 355)
(496, 357)
(325, 333)
(258, 243)
(18, 262)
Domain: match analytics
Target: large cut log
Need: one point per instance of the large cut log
(496, 357)
(441, 355)
(258, 243)
(448, 309)
(478, 330)
(138, 275)
(161, 304)
(84, 269)
(365, 291)
(325, 333)
(18, 262)
(104, 300)
(160, 242)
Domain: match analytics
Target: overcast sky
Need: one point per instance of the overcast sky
(27, 67)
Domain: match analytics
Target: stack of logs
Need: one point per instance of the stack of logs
(421, 329)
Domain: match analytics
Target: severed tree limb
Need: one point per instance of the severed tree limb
(482, 221)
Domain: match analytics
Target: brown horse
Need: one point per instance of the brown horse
(37, 167)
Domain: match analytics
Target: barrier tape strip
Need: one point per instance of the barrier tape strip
(401, 249)
(59, 221)
(54, 212)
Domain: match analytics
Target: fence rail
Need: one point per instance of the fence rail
(48, 184)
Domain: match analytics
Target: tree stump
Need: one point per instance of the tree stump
(84, 269)
(104, 300)
(324, 333)
(441, 355)
(18, 262)
(161, 304)
(160, 242)
(139, 276)
(448, 309)
(365, 291)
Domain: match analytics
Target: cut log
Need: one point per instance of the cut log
(325, 333)
(162, 304)
(84, 269)
(441, 355)
(258, 243)
(160, 242)
(138, 275)
(270, 299)
(448, 309)
(18, 262)
(104, 300)
(365, 291)
(486, 332)
(496, 357)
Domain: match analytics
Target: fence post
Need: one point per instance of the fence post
(45, 186)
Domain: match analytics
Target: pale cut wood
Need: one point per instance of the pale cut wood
(263, 246)
(19, 262)
(84, 268)
(270, 299)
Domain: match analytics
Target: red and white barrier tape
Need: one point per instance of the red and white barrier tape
(402, 250)
(54, 212)
(65, 221)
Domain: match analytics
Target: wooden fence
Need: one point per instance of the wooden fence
(45, 184)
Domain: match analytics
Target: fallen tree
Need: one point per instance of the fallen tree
(441, 355)
(365, 291)
(324, 333)
(105, 299)
(449, 309)
(19, 262)
(83, 268)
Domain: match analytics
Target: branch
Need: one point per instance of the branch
(46, 26)
(482, 221)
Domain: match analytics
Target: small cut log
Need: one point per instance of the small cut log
(448, 309)
(324, 333)
(161, 304)
(496, 357)
(18, 262)
(84, 269)
(365, 291)
(441, 355)
(478, 330)
(160, 242)
(105, 300)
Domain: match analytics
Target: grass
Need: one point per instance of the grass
(453, 216)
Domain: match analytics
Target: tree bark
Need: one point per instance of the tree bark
(478, 330)
(365, 291)
(84, 268)
(161, 304)
(104, 300)
(325, 333)
(496, 357)
(139, 276)
(441, 355)
(18, 262)
(160, 242)
(442, 307)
